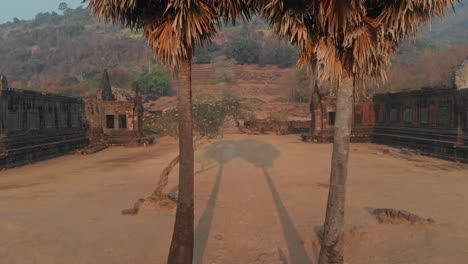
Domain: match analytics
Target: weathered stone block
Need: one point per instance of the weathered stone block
(461, 76)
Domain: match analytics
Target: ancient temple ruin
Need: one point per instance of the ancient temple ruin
(37, 126)
(115, 122)
(432, 121)
(461, 75)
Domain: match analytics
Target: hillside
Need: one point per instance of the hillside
(66, 53)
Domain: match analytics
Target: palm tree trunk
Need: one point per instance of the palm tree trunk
(181, 251)
(332, 247)
(316, 105)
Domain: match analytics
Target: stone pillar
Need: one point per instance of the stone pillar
(105, 88)
(461, 76)
(3, 82)
(138, 113)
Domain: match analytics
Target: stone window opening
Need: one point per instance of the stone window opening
(443, 116)
(395, 115)
(424, 115)
(110, 121)
(122, 121)
(331, 118)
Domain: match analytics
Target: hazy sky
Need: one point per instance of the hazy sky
(27, 9)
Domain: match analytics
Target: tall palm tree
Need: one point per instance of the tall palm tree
(173, 28)
(353, 38)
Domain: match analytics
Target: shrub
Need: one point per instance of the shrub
(208, 117)
(156, 82)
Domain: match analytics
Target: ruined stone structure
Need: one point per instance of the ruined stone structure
(37, 126)
(105, 92)
(115, 122)
(323, 112)
(461, 76)
(433, 121)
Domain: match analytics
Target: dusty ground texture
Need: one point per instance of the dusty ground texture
(259, 199)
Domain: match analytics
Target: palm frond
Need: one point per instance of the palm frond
(354, 37)
(173, 28)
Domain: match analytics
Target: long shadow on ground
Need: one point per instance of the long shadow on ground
(297, 252)
(262, 155)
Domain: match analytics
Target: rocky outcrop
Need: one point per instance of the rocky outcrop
(393, 216)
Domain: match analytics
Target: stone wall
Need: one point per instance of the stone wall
(36, 126)
(431, 121)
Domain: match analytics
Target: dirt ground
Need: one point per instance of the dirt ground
(259, 199)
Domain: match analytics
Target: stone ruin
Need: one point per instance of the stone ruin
(37, 126)
(3, 82)
(115, 122)
(461, 75)
(433, 121)
(105, 93)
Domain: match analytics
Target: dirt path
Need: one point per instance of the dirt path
(259, 199)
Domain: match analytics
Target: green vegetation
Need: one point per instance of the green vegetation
(208, 118)
(156, 82)
(249, 45)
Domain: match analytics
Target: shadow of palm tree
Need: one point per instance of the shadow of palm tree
(297, 252)
(262, 155)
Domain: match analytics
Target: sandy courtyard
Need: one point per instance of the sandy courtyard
(259, 199)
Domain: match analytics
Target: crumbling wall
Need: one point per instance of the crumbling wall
(432, 121)
(461, 76)
(37, 126)
(113, 122)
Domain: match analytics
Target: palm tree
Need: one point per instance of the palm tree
(173, 28)
(347, 38)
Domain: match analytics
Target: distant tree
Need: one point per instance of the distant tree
(156, 82)
(244, 50)
(202, 56)
(63, 7)
(243, 45)
(278, 52)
